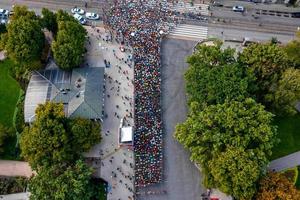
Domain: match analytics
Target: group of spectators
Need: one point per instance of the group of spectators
(141, 26)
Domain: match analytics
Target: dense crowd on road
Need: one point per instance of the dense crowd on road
(140, 26)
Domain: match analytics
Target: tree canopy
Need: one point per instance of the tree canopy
(287, 93)
(214, 75)
(68, 48)
(25, 39)
(209, 132)
(54, 139)
(48, 20)
(236, 170)
(266, 62)
(62, 183)
(276, 186)
(293, 50)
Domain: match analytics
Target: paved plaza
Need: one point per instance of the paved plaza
(113, 163)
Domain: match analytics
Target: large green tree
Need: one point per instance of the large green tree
(68, 48)
(266, 61)
(53, 138)
(236, 170)
(287, 93)
(209, 132)
(24, 40)
(214, 75)
(62, 183)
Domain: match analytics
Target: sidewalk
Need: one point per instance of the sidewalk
(285, 162)
(15, 168)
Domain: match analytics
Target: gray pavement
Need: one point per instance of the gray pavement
(109, 155)
(182, 180)
(285, 162)
(235, 34)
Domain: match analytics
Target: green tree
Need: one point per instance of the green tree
(46, 142)
(276, 186)
(86, 133)
(214, 75)
(266, 62)
(64, 16)
(293, 50)
(25, 39)
(236, 171)
(54, 139)
(68, 48)
(287, 93)
(62, 183)
(49, 20)
(238, 124)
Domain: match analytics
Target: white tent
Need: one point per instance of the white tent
(126, 134)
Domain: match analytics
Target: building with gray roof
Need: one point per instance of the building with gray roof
(80, 90)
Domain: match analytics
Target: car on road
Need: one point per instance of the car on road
(77, 11)
(3, 13)
(217, 4)
(92, 16)
(238, 8)
(81, 19)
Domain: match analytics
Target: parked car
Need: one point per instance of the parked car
(92, 16)
(4, 13)
(238, 8)
(77, 11)
(81, 19)
(217, 4)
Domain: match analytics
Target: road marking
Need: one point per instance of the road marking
(190, 31)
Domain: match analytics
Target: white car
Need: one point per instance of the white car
(92, 16)
(4, 13)
(77, 11)
(79, 18)
(238, 8)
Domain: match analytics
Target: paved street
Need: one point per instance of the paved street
(182, 179)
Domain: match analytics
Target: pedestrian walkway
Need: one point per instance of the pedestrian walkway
(15, 168)
(16, 196)
(192, 32)
(285, 162)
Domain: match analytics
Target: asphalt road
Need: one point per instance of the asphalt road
(182, 179)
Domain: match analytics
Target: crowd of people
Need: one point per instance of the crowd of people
(141, 26)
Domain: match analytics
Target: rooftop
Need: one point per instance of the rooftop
(80, 90)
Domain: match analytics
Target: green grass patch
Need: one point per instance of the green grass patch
(289, 135)
(9, 94)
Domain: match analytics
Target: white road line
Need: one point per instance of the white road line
(191, 31)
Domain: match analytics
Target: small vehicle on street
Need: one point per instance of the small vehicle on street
(81, 19)
(92, 16)
(77, 11)
(238, 8)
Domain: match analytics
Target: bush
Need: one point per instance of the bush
(291, 174)
(10, 185)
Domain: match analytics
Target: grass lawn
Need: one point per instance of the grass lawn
(289, 135)
(9, 94)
